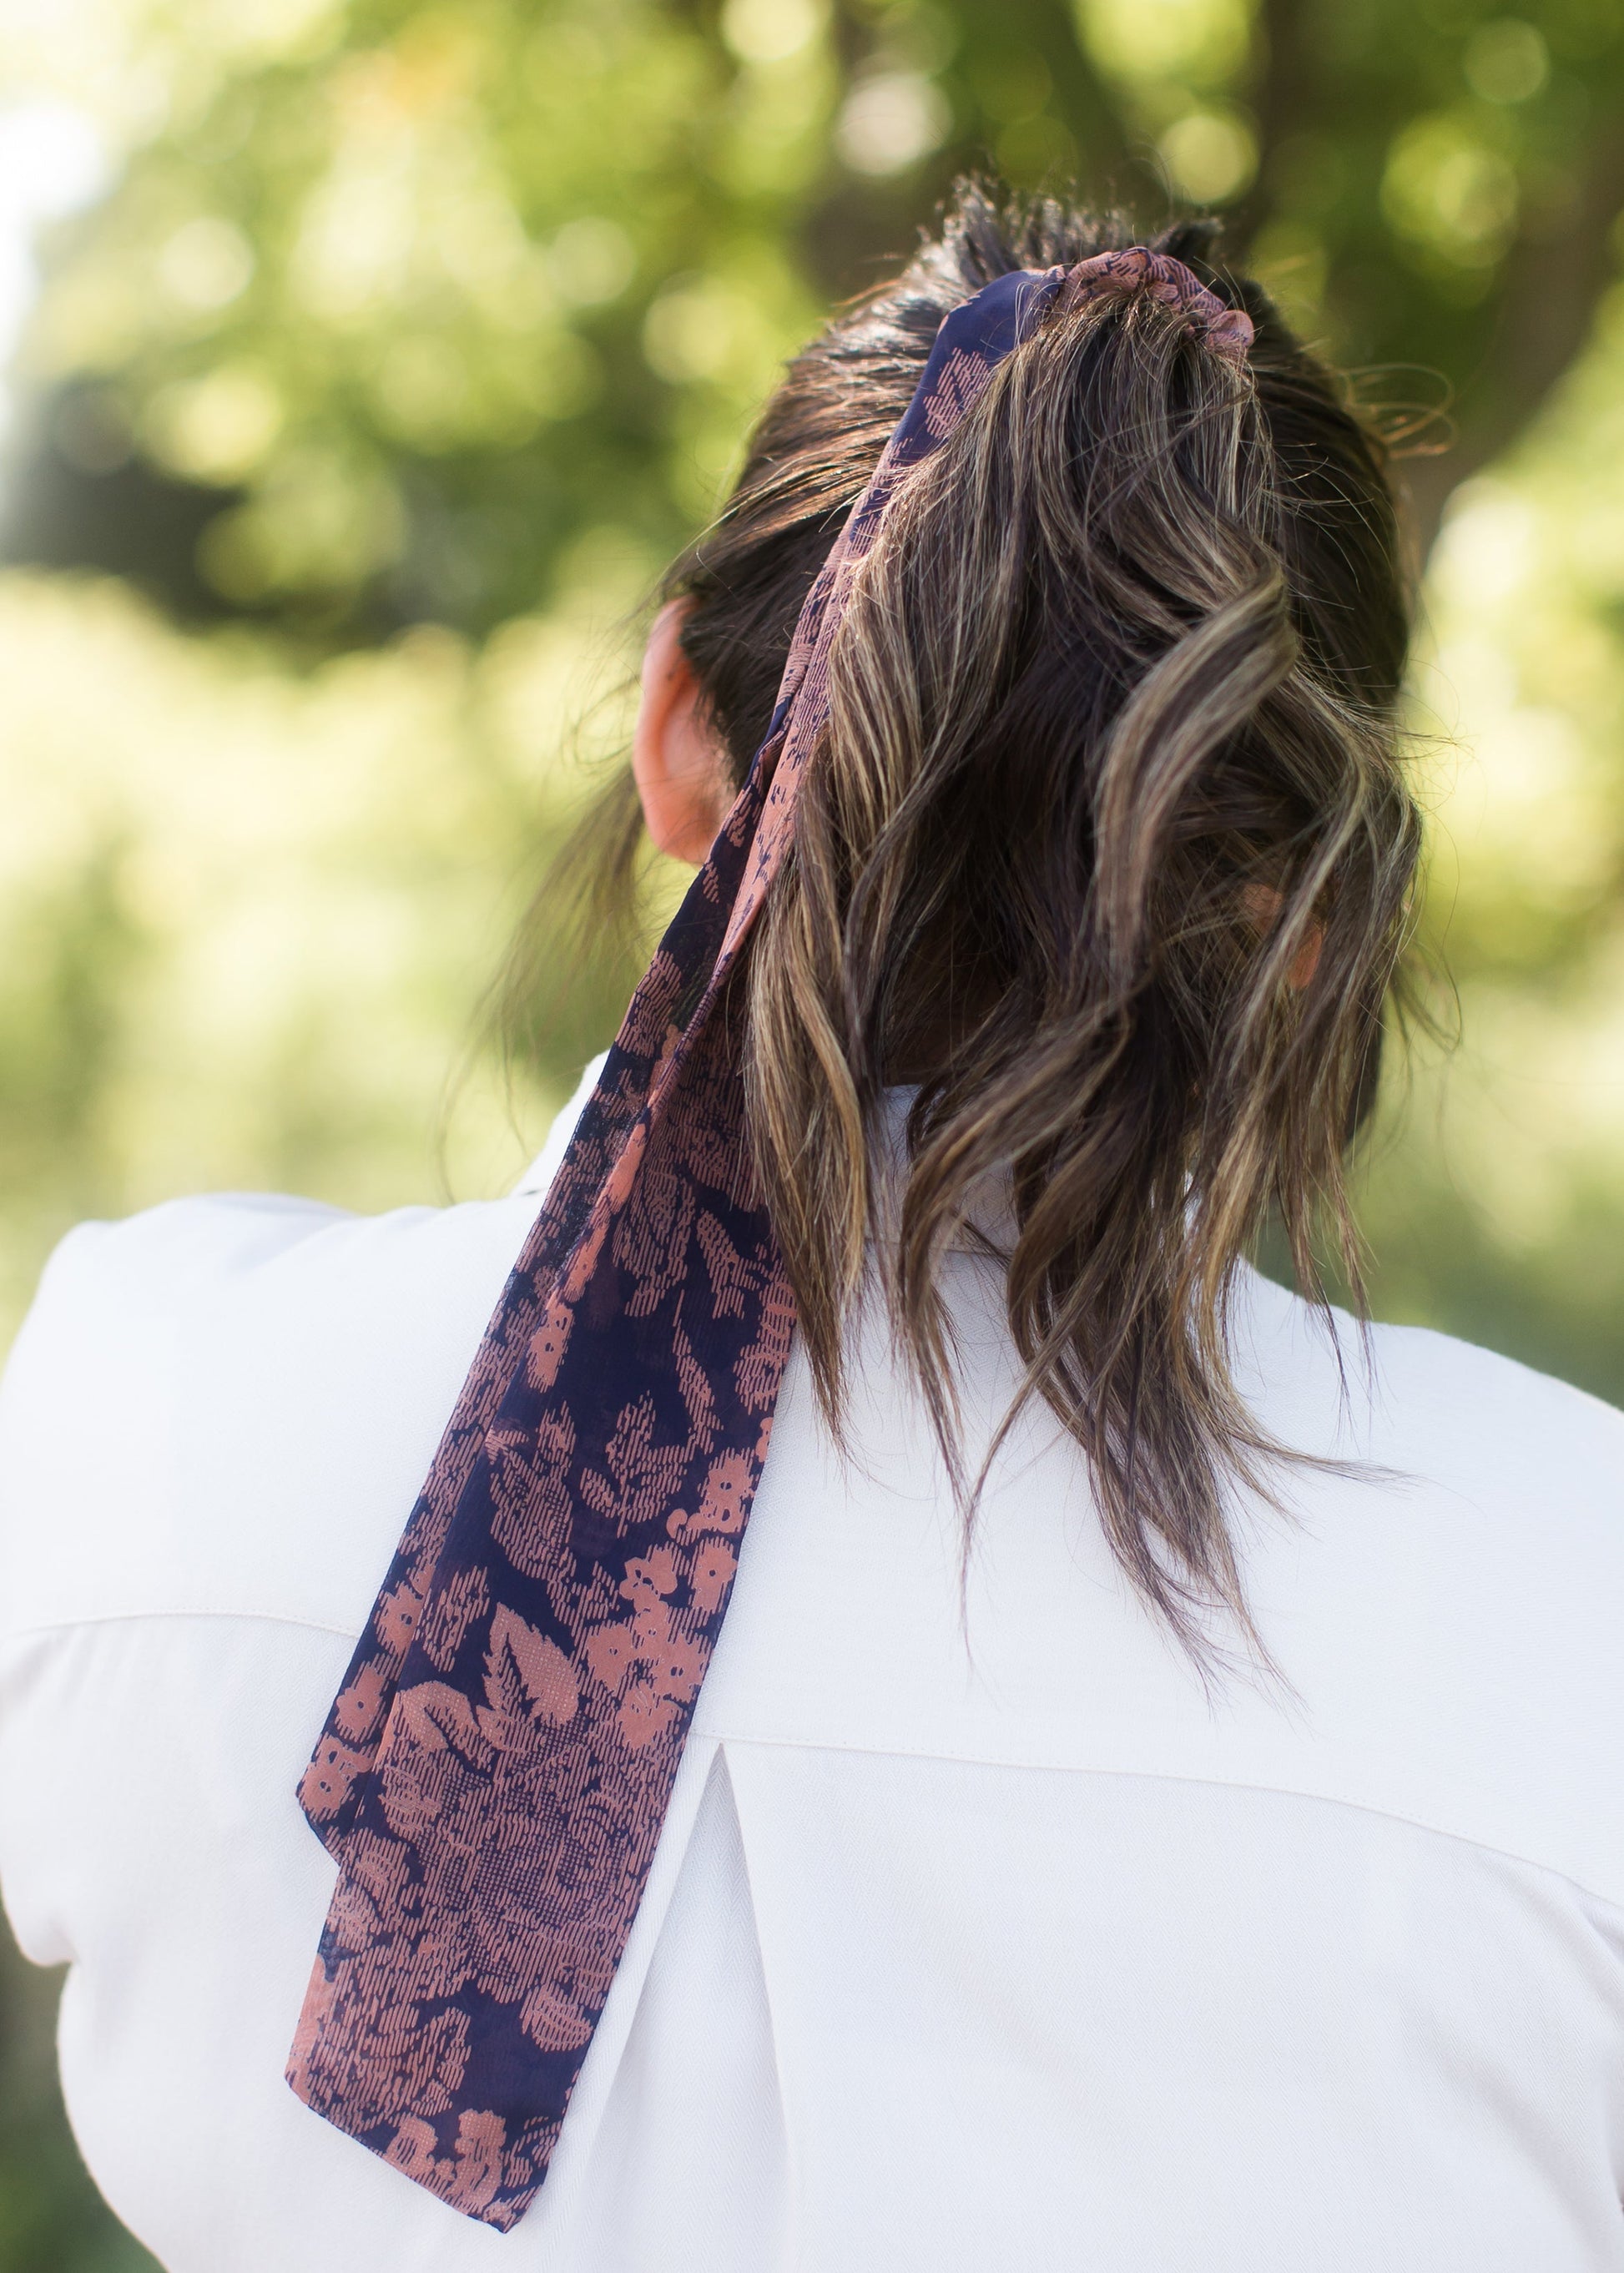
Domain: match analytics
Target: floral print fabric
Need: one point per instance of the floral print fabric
(495, 1770)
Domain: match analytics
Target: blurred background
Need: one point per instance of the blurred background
(363, 364)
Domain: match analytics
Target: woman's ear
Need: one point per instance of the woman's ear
(677, 758)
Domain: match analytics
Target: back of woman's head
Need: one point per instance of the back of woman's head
(1106, 847)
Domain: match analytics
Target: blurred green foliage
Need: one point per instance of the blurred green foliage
(425, 293)
(357, 416)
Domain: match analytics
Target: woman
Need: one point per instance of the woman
(1142, 1792)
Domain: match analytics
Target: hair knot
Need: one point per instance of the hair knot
(1135, 267)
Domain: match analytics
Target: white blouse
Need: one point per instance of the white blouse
(981, 1935)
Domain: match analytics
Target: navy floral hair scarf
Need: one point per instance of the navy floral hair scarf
(495, 1770)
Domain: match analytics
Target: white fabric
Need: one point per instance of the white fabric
(976, 1939)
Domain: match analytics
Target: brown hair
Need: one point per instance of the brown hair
(1106, 846)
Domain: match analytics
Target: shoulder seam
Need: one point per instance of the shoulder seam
(45, 1627)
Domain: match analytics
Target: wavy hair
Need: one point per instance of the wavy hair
(1106, 851)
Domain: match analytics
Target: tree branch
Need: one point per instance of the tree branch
(1547, 307)
(1547, 293)
(1284, 101)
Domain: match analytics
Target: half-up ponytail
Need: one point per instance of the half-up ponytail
(1106, 849)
